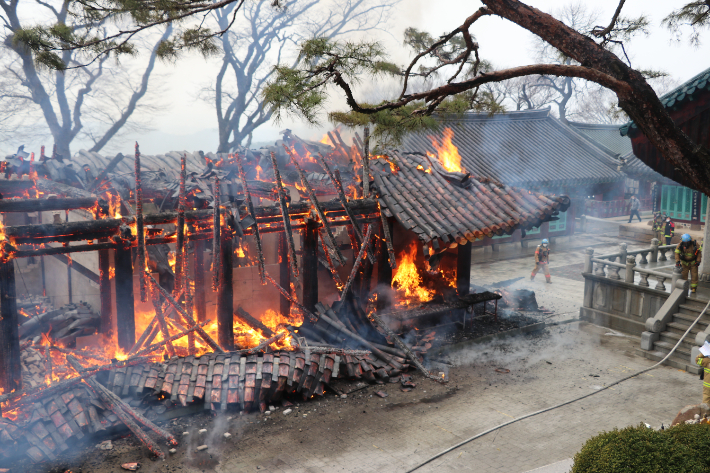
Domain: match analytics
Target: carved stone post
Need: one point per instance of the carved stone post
(676, 276)
(654, 250)
(630, 263)
(622, 250)
(588, 266)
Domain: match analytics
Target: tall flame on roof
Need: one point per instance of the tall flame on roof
(448, 153)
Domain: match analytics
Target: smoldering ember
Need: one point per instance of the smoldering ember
(493, 270)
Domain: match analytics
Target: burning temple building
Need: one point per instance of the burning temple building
(229, 281)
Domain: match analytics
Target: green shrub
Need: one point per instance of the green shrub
(696, 438)
(642, 450)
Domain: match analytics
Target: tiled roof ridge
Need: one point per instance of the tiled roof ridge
(532, 114)
(683, 93)
(588, 142)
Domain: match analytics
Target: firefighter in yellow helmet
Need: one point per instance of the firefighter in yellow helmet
(703, 360)
(688, 254)
(542, 260)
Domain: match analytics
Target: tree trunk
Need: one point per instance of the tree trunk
(636, 97)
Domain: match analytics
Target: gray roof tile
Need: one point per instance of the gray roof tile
(526, 149)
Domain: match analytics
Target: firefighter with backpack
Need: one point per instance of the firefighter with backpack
(688, 254)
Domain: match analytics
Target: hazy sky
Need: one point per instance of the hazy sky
(185, 122)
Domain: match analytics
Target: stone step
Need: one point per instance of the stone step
(680, 328)
(690, 310)
(673, 361)
(688, 319)
(681, 352)
(672, 338)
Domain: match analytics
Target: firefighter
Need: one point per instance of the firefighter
(668, 230)
(542, 259)
(688, 254)
(658, 226)
(703, 360)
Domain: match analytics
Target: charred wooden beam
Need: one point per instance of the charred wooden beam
(187, 317)
(200, 303)
(102, 175)
(387, 233)
(103, 228)
(105, 293)
(172, 338)
(263, 346)
(216, 231)
(41, 205)
(139, 227)
(10, 373)
(317, 207)
(356, 267)
(331, 267)
(345, 148)
(463, 269)
(15, 188)
(337, 183)
(403, 346)
(116, 408)
(180, 242)
(225, 295)
(384, 268)
(309, 260)
(125, 316)
(255, 226)
(284, 275)
(79, 268)
(162, 323)
(293, 262)
(291, 299)
(366, 163)
(246, 318)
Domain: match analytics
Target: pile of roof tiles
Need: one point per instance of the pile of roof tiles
(246, 382)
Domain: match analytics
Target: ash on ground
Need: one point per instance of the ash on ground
(488, 325)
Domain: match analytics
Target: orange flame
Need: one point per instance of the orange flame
(449, 156)
(407, 280)
(240, 252)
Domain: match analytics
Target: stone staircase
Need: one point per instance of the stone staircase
(682, 319)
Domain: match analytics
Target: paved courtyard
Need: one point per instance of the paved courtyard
(366, 433)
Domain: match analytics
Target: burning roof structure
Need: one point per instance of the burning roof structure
(553, 155)
(167, 237)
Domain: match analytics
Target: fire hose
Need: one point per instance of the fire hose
(526, 416)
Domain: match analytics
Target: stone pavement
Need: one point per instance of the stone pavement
(398, 432)
(571, 359)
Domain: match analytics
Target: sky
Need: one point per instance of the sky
(184, 122)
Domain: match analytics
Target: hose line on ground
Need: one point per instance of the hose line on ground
(526, 416)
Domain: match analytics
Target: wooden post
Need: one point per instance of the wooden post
(10, 373)
(384, 266)
(284, 274)
(125, 317)
(225, 295)
(463, 269)
(105, 292)
(310, 265)
(366, 163)
(200, 304)
(69, 285)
